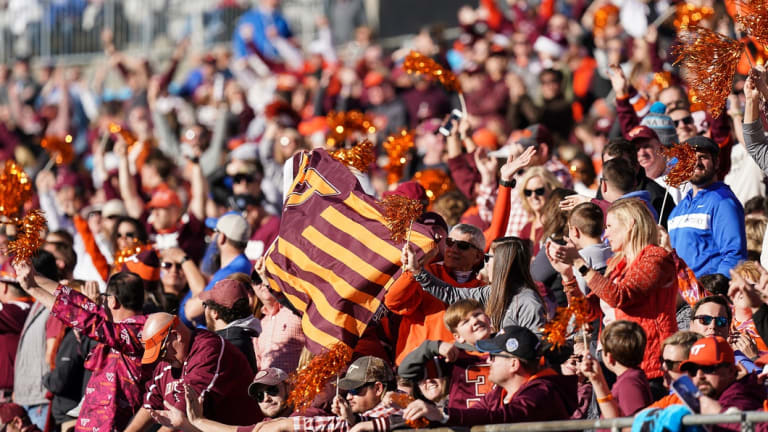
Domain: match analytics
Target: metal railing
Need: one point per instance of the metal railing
(746, 419)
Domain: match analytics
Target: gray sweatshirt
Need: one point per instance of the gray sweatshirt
(756, 143)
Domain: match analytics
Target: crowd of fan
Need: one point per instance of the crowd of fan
(550, 191)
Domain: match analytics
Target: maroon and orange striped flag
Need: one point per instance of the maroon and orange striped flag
(333, 259)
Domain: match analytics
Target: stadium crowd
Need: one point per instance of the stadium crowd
(160, 298)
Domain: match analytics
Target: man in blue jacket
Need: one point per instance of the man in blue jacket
(707, 226)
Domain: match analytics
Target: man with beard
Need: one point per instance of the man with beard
(707, 226)
(712, 368)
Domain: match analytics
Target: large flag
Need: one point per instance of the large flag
(333, 259)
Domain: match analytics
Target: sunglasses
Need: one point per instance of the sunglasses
(167, 265)
(242, 178)
(359, 390)
(131, 235)
(164, 346)
(540, 191)
(686, 120)
(693, 370)
(487, 257)
(461, 244)
(262, 393)
(707, 320)
(670, 365)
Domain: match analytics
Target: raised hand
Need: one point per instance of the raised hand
(515, 164)
(618, 81)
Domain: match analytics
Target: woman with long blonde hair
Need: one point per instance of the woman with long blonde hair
(536, 188)
(640, 282)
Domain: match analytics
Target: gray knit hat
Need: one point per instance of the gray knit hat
(664, 127)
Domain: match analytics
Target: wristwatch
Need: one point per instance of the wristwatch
(584, 269)
(510, 184)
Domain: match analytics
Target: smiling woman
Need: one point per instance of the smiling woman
(537, 185)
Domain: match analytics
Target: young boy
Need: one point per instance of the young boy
(468, 379)
(623, 347)
(585, 230)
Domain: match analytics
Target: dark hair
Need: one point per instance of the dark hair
(588, 218)
(557, 74)
(619, 174)
(755, 204)
(621, 148)
(716, 284)
(717, 299)
(45, 264)
(68, 255)
(237, 245)
(625, 341)
(66, 235)
(554, 220)
(511, 273)
(239, 310)
(141, 231)
(161, 163)
(128, 288)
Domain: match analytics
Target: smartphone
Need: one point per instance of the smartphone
(446, 128)
(687, 391)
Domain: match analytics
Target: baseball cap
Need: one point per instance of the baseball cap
(664, 127)
(409, 189)
(485, 138)
(366, 370)
(9, 411)
(703, 144)
(225, 293)
(113, 208)
(154, 343)
(146, 264)
(515, 340)
(641, 132)
(164, 197)
(709, 351)
(234, 227)
(268, 377)
(432, 219)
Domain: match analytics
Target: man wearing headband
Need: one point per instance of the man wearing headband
(200, 359)
(112, 319)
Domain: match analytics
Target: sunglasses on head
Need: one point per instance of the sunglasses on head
(539, 191)
(670, 365)
(238, 178)
(461, 244)
(693, 370)
(707, 320)
(167, 265)
(358, 390)
(261, 394)
(686, 120)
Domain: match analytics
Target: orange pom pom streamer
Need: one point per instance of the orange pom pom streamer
(417, 63)
(753, 17)
(400, 212)
(127, 135)
(15, 189)
(122, 256)
(397, 146)
(682, 171)
(59, 149)
(709, 61)
(556, 330)
(311, 381)
(359, 157)
(435, 181)
(402, 400)
(688, 14)
(603, 15)
(343, 125)
(662, 80)
(28, 238)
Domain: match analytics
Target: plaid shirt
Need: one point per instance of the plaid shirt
(385, 417)
(518, 217)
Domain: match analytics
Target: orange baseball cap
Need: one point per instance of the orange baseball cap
(164, 197)
(709, 351)
(486, 138)
(154, 343)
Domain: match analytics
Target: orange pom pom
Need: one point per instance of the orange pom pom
(29, 237)
(15, 189)
(359, 157)
(311, 381)
(397, 147)
(402, 400)
(343, 125)
(710, 60)
(435, 181)
(682, 171)
(753, 17)
(122, 256)
(556, 330)
(59, 149)
(400, 212)
(688, 14)
(418, 64)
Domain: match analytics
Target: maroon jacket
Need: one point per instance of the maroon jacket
(745, 394)
(216, 370)
(548, 396)
(12, 317)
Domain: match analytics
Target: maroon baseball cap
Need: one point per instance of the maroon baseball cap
(641, 132)
(409, 189)
(9, 411)
(225, 293)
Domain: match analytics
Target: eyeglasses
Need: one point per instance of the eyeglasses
(694, 369)
(540, 191)
(461, 244)
(670, 365)
(167, 265)
(487, 258)
(262, 393)
(359, 390)
(242, 178)
(686, 120)
(131, 235)
(707, 320)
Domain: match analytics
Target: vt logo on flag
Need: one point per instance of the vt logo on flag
(333, 259)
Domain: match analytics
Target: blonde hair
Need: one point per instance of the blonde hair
(754, 226)
(749, 270)
(639, 224)
(549, 180)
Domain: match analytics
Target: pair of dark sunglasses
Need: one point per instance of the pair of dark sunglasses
(670, 365)
(539, 191)
(707, 320)
(685, 120)
(262, 393)
(461, 244)
(357, 391)
(694, 369)
(242, 178)
(167, 265)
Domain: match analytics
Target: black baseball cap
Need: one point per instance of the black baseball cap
(703, 144)
(513, 340)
